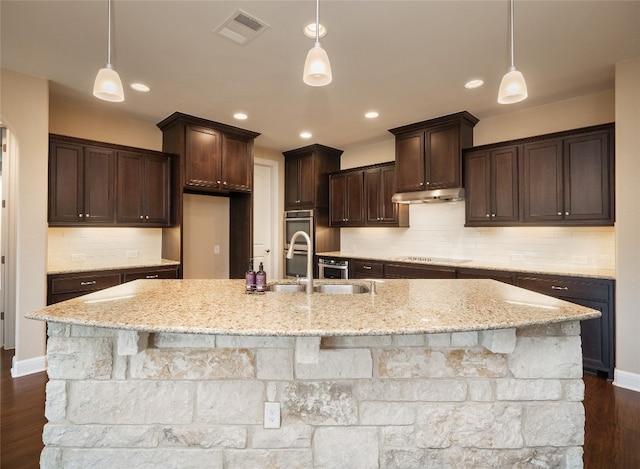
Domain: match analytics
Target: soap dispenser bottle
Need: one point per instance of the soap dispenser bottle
(261, 280)
(250, 278)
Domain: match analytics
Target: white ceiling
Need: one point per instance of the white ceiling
(408, 60)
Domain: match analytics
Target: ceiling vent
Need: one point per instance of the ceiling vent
(241, 27)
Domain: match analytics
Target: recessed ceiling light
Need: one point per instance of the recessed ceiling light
(305, 134)
(371, 115)
(240, 116)
(471, 84)
(140, 87)
(310, 31)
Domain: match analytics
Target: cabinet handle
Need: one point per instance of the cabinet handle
(92, 282)
(366, 267)
(152, 276)
(553, 287)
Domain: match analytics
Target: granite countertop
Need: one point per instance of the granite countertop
(399, 307)
(88, 266)
(573, 270)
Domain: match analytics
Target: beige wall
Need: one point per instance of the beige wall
(628, 222)
(24, 108)
(101, 121)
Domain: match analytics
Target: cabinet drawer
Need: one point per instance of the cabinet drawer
(566, 288)
(151, 274)
(368, 269)
(83, 283)
(419, 271)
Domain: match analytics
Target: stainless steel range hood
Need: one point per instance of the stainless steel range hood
(431, 196)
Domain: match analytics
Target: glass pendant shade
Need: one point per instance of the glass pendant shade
(108, 85)
(513, 88)
(317, 69)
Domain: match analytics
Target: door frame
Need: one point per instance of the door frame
(275, 213)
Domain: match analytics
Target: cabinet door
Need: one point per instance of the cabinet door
(130, 188)
(478, 187)
(504, 185)
(442, 157)
(410, 164)
(380, 185)
(66, 183)
(99, 185)
(337, 198)
(202, 158)
(157, 190)
(237, 165)
(587, 178)
(597, 349)
(541, 178)
(354, 197)
(300, 185)
(291, 183)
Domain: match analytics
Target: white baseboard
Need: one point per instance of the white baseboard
(624, 379)
(28, 366)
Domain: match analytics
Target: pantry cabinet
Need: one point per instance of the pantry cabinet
(81, 184)
(429, 153)
(307, 176)
(143, 193)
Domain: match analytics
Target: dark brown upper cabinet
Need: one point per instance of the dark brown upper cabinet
(429, 153)
(143, 195)
(307, 176)
(362, 197)
(346, 196)
(379, 187)
(215, 157)
(564, 178)
(104, 184)
(491, 186)
(81, 183)
(569, 179)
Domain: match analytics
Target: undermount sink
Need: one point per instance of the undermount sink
(326, 288)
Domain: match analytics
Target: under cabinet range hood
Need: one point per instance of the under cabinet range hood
(430, 196)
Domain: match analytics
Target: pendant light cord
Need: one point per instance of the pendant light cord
(317, 21)
(109, 36)
(513, 65)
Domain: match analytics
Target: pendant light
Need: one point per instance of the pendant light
(513, 88)
(108, 85)
(317, 69)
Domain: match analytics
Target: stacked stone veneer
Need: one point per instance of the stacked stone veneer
(498, 399)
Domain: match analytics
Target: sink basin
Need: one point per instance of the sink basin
(327, 288)
(286, 287)
(340, 289)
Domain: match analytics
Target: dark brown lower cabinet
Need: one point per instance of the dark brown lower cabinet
(598, 339)
(366, 269)
(61, 287)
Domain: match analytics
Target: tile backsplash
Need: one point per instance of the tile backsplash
(103, 246)
(438, 230)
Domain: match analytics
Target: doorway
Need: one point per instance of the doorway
(7, 242)
(266, 217)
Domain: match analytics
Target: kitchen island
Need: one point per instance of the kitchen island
(422, 374)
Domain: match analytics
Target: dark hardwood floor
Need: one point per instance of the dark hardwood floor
(612, 431)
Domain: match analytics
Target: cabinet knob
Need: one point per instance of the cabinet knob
(488, 215)
(559, 213)
(422, 183)
(141, 217)
(224, 183)
(218, 182)
(566, 213)
(86, 215)
(493, 215)
(80, 215)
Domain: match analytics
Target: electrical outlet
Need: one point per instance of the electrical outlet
(216, 249)
(271, 415)
(132, 254)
